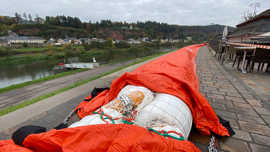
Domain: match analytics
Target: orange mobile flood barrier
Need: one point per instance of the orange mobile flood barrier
(173, 74)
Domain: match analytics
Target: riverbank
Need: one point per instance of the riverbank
(19, 98)
(103, 52)
(122, 56)
(21, 85)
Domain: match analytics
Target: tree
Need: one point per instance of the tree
(30, 17)
(252, 11)
(134, 51)
(25, 45)
(25, 16)
(18, 18)
(38, 19)
(3, 29)
(108, 44)
(122, 44)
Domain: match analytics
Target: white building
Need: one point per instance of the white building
(14, 40)
(132, 41)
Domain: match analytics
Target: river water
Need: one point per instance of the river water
(10, 75)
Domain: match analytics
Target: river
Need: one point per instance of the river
(10, 75)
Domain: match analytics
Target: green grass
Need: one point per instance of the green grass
(35, 100)
(21, 85)
(31, 49)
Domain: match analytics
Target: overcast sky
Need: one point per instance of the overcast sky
(182, 12)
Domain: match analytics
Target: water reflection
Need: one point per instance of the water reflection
(10, 75)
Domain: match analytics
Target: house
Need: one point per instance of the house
(174, 40)
(98, 40)
(27, 40)
(69, 40)
(132, 41)
(61, 42)
(247, 31)
(19, 41)
(164, 40)
(116, 41)
(51, 41)
(85, 40)
(261, 39)
(145, 39)
(13, 40)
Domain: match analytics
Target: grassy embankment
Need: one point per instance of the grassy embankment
(35, 100)
(9, 56)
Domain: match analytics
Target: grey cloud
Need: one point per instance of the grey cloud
(193, 12)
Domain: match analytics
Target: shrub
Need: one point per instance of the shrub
(4, 51)
(122, 44)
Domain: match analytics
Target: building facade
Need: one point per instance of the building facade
(13, 40)
(248, 30)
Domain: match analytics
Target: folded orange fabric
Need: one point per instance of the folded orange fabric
(173, 74)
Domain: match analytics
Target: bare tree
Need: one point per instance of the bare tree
(38, 19)
(25, 16)
(18, 18)
(30, 17)
(252, 11)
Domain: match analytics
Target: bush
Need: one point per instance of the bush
(60, 55)
(4, 51)
(67, 46)
(50, 53)
(87, 47)
(134, 51)
(25, 45)
(69, 53)
(87, 56)
(122, 44)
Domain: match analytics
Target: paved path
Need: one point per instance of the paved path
(17, 96)
(258, 82)
(232, 100)
(228, 95)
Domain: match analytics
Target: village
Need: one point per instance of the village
(15, 41)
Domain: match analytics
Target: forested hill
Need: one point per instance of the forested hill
(66, 26)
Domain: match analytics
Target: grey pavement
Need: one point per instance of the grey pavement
(257, 82)
(232, 99)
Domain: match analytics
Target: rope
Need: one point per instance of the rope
(104, 116)
(166, 134)
(129, 121)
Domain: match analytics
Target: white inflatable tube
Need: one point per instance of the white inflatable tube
(168, 113)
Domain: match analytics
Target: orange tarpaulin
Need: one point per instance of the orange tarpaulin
(100, 138)
(173, 74)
